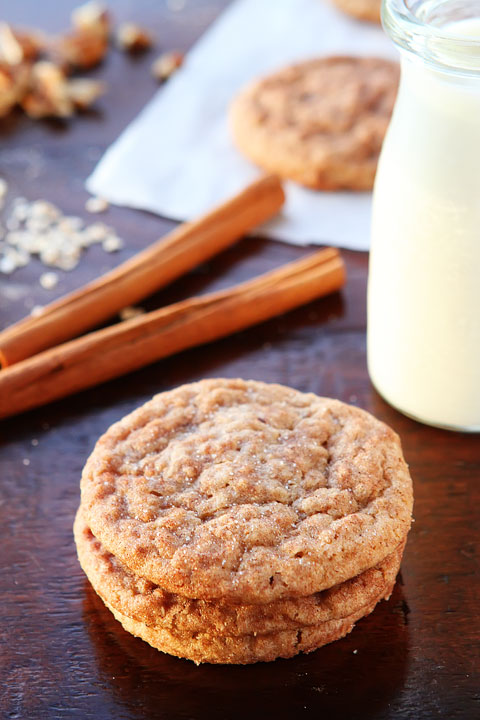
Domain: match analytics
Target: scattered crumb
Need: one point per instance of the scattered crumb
(26, 461)
(49, 280)
(97, 232)
(165, 65)
(355, 652)
(131, 312)
(70, 224)
(7, 263)
(34, 442)
(96, 205)
(36, 310)
(44, 210)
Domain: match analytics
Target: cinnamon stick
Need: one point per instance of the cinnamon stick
(127, 346)
(156, 266)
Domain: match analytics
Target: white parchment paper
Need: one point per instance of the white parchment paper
(177, 159)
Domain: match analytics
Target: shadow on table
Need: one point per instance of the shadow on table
(356, 677)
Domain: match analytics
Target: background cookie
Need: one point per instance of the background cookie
(361, 9)
(247, 492)
(320, 123)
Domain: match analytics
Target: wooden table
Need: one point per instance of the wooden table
(61, 653)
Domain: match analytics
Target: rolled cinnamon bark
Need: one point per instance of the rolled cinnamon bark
(127, 346)
(156, 266)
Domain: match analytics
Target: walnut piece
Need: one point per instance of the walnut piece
(92, 17)
(132, 38)
(14, 81)
(17, 46)
(82, 49)
(166, 65)
(11, 51)
(32, 42)
(83, 92)
(48, 94)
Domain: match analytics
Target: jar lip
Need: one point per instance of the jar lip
(441, 46)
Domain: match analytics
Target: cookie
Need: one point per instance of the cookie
(243, 649)
(320, 123)
(246, 492)
(361, 9)
(146, 603)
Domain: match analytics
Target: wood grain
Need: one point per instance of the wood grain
(61, 653)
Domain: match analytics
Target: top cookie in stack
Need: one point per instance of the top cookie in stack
(235, 521)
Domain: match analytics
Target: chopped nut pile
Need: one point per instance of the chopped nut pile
(35, 69)
(39, 228)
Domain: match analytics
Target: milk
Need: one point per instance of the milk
(424, 279)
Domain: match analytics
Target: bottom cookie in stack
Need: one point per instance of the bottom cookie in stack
(218, 632)
(232, 521)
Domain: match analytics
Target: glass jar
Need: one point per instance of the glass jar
(424, 276)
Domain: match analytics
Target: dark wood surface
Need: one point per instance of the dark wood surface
(61, 652)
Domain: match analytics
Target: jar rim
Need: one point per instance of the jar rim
(414, 25)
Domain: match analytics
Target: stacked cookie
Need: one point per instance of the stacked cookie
(234, 522)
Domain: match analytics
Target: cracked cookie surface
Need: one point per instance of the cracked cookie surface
(247, 491)
(320, 123)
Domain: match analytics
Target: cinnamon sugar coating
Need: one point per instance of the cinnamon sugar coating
(320, 123)
(247, 492)
(145, 602)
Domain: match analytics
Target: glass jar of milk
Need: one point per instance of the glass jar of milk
(424, 277)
